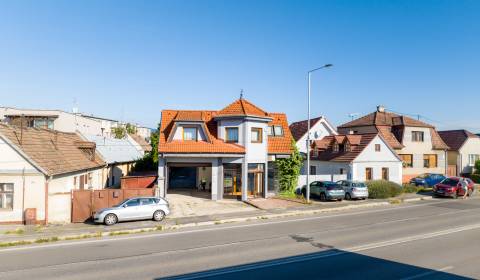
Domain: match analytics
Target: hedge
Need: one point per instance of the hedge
(475, 178)
(383, 189)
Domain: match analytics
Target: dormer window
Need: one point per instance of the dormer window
(190, 134)
(347, 147)
(231, 134)
(336, 148)
(275, 130)
(315, 152)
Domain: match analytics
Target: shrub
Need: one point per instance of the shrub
(409, 188)
(475, 178)
(477, 167)
(383, 189)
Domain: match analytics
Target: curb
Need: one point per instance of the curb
(159, 228)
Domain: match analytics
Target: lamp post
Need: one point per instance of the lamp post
(308, 128)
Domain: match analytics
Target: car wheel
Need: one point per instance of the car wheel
(348, 196)
(110, 219)
(304, 193)
(158, 215)
(323, 197)
(340, 200)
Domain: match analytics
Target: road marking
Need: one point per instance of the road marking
(428, 273)
(342, 251)
(216, 228)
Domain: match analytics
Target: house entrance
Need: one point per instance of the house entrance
(256, 175)
(232, 182)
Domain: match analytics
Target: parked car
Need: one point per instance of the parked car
(427, 179)
(326, 190)
(136, 208)
(354, 189)
(451, 187)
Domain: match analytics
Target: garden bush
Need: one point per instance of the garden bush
(475, 178)
(409, 188)
(383, 189)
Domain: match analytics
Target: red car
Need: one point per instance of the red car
(451, 187)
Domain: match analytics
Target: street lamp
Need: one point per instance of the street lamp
(308, 129)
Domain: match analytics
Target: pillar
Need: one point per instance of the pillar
(162, 180)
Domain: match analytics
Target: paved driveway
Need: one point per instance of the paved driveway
(192, 203)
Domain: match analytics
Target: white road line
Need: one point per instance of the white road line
(216, 228)
(428, 273)
(342, 251)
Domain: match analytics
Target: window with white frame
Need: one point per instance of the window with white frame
(275, 130)
(190, 134)
(472, 158)
(6, 196)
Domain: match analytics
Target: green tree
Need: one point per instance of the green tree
(477, 167)
(130, 128)
(119, 132)
(149, 162)
(289, 170)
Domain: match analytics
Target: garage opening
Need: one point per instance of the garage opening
(182, 178)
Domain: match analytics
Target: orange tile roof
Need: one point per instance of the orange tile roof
(283, 144)
(146, 147)
(276, 144)
(53, 151)
(242, 107)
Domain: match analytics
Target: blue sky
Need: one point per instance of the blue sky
(130, 59)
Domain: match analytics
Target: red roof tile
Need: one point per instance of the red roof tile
(299, 129)
(280, 144)
(326, 152)
(242, 107)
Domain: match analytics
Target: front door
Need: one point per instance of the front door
(231, 182)
(255, 183)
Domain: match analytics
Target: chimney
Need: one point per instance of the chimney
(351, 132)
(380, 109)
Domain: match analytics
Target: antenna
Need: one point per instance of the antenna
(353, 115)
(75, 106)
(241, 93)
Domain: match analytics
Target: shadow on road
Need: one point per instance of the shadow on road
(328, 264)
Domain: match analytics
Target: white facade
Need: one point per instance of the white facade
(356, 170)
(466, 156)
(50, 196)
(63, 121)
(318, 131)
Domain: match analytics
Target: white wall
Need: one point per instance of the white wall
(178, 134)
(471, 146)
(317, 132)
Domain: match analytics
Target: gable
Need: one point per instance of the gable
(13, 162)
(369, 154)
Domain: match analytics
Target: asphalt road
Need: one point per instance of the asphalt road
(430, 240)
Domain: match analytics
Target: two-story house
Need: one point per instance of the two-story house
(230, 152)
(418, 144)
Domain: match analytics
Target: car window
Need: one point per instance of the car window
(450, 182)
(146, 201)
(133, 202)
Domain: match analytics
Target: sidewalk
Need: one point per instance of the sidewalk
(40, 234)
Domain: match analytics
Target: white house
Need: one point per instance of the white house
(319, 128)
(362, 157)
(464, 150)
(38, 170)
(230, 152)
(57, 120)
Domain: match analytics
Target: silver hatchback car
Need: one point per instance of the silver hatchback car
(135, 208)
(354, 189)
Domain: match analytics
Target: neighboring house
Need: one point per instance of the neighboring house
(143, 132)
(57, 120)
(39, 168)
(119, 154)
(231, 151)
(464, 150)
(139, 143)
(319, 128)
(362, 157)
(418, 144)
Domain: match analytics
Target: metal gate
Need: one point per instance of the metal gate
(86, 202)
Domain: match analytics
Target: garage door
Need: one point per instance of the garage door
(182, 177)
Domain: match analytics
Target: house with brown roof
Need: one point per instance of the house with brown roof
(229, 153)
(360, 157)
(418, 144)
(319, 128)
(463, 152)
(140, 143)
(38, 170)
